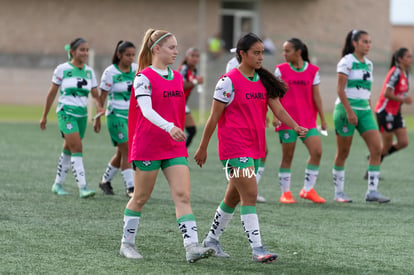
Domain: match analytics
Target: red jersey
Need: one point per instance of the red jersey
(398, 81)
(188, 76)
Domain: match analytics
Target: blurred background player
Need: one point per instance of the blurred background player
(116, 85)
(231, 64)
(303, 103)
(75, 80)
(353, 111)
(388, 109)
(188, 69)
(156, 140)
(239, 109)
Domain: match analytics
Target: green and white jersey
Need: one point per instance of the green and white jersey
(75, 85)
(118, 85)
(360, 78)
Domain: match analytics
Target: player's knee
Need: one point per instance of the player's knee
(402, 144)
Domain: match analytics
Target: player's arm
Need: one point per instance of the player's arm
(51, 95)
(283, 116)
(217, 109)
(342, 80)
(319, 107)
(99, 109)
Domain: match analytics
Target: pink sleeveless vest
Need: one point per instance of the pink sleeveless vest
(146, 140)
(298, 100)
(241, 127)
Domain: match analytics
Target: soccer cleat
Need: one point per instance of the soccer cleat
(58, 189)
(342, 197)
(261, 255)
(195, 252)
(375, 196)
(130, 251)
(311, 195)
(212, 243)
(260, 199)
(287, 198)
(85, 193)
(106, 188)
(129, 192)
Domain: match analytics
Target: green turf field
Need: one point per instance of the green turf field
(41, 233)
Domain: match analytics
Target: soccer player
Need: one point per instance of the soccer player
(388, 109)
(239, 109)
(303, 103)
(75, 80)
(157, 140)
(231, 64)
(116, 85)
(352, 111)
(188, 69)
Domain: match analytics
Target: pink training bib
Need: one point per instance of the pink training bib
(298, 100)
(241, 127)
(146, 140)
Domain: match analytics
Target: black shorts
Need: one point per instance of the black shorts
(388, 122)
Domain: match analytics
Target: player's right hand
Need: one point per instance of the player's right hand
(43, 124)
(200, 156)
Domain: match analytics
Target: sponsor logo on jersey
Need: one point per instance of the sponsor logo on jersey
(254, 95)
(173, 94)
(299, 82)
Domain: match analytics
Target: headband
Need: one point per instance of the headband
(159, 39)
(354, 33)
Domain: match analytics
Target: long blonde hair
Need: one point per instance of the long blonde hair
(151, 38)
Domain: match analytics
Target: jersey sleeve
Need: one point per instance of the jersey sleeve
(142, 86)
(317, 79)
(344, 66)
(183, 71)
(224, 91)
(106, 81)
(57, 75)
(394, 78)
(94, 81)
(278, 73)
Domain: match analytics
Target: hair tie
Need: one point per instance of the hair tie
(67, 49)
(159, 39)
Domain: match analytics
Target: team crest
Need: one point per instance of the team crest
(286, 135)
(243, 159)
(121, 135)
(146, 163)
(69, 126)
(345, 129)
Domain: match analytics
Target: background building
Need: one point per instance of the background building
(34, 33)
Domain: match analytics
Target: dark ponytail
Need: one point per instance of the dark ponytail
(353, 35)
(121, 47)
(274, 87)
(299, 45)
(397, 54)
